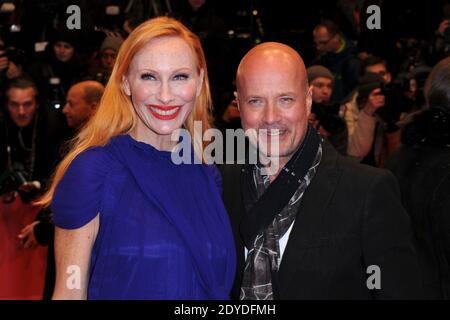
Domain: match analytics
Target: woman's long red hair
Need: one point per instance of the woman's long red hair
(115, 115)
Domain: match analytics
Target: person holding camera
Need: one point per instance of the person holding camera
(326, 117)
(81, 104)
(29, 141)
(9, 68)
(361, 112)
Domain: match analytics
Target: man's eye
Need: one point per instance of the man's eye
(286, 99)
(147, 76)
(254, 101)
(181, 76)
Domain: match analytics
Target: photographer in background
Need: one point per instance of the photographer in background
(29, 142)
(81, 104)
(28, 146)
(325, 116)
(8, 69)
(373, 112)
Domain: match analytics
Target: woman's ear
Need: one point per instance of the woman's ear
(126, 86)
(200, 83)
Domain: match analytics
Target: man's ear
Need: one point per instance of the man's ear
(236, 98)
(389, 76)
(308, 101)
(126, 86)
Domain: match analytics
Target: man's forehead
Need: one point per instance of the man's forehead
(271, 52)
(21, 93)
(76, 90)
(320, 32)
(271, 63)
(322, 80)
(377, 66)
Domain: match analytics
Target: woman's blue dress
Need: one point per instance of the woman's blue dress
(164, 232)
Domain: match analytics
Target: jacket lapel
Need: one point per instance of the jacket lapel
(310, 214)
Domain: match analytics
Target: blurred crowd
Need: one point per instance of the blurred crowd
(369, 89)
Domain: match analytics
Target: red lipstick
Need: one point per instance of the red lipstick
(164, 112)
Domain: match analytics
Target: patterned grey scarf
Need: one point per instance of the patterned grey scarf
(263, 259)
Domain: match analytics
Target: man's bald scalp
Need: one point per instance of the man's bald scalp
(92, 90)
(268, 51)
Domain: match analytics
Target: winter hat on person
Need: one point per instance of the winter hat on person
(112, 41)
(368, 82)
(318, 71)
(72, 37)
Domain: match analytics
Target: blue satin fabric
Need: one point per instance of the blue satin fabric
(164, 232)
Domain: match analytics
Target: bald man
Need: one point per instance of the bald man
(320, 226)
(82, 101)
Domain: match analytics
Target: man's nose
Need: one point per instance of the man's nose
(271, 114)
(21, 110)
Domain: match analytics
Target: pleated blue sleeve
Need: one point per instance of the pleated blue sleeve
(78, 196)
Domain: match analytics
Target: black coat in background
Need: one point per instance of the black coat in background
(48, 139)
(422, 166)
(350, 218)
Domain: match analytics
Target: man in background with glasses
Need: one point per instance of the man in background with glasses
(339, 55)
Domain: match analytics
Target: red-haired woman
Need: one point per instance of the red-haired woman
(129, 221)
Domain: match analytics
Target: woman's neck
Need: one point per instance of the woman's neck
(160, 142)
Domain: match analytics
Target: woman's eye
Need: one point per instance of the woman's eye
(147, 76)
(181, 76)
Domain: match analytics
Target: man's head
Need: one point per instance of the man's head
(327, 37)
(82, 102)
(108, 51)
(273, 94)
(196, 4)
(377, 65)
(64, 51)
(21, 101)
(321, 81)
(64, 43)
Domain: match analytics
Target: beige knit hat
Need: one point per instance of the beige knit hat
(112, 41)
(318, 71)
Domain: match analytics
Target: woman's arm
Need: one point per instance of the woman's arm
(72, 256)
